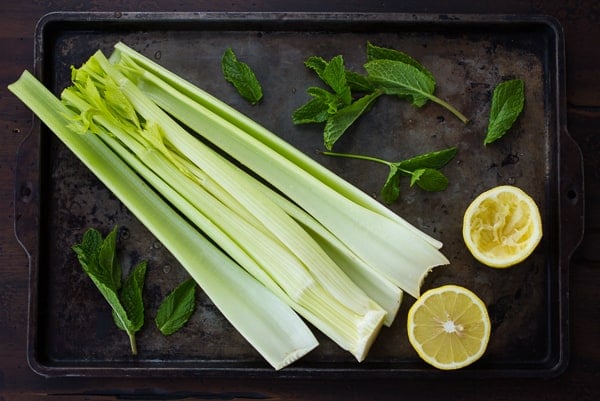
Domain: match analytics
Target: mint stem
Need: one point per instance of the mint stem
(449, 107)
(368, 158)
(132, 342)
(360, 157)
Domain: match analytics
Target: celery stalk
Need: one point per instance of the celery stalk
(313, 284)
(396, 249)
(371, 281)
(260, 133)
(268, 324)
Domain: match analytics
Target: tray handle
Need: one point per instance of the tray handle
(571, 196)
(27, 192)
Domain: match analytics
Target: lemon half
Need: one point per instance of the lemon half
(449, 327)
(502, 226)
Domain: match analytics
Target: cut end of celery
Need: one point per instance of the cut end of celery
(292, 357)
(424, 276)
(370, 327)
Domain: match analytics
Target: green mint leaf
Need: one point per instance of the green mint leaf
(359, 83)
(338, 123)
(87, 250)
(429, 179)
(382, 53)
(176, 309)
(421, 169)
(118, 311)
(355, 81)
(407, 82)
(314, 111)
(332, 100)
(415, 176)
(317, 64)
(333, 74)
(435, 160)
(401, 79)
(241, 76)
(97, 257)
(132, 305)
(107, 260)
(131, 296)
(391, 188)
(507, 104)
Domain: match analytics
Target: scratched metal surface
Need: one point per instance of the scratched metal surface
(72, 329)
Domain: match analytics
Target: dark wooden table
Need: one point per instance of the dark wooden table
(581, 22)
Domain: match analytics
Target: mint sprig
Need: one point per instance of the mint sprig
(423, 171)
(98, 260)
(389, 72)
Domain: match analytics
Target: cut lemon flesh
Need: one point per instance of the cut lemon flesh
(449, 327)
(502, 226)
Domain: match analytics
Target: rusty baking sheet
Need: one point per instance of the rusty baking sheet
(70, 327)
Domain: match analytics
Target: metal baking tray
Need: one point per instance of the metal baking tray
(71, 332)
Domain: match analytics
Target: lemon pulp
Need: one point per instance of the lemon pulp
(449, 327)
(502, 226)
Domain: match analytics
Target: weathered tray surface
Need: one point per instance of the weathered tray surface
(71, 330)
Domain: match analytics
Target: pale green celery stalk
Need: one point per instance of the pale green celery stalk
(381, 290)
(238, 183)
(355, 335)
(344, 312)
(266, 137)
(267, 323)
(370, 280)
(395, 250)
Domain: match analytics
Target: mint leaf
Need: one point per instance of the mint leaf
(429, 179)
(401, 79)
(408, 82)
(382, 53)
(359, 83)
(118, 311)
(339, 122)
(131, 297)
(317, 64)
(422, 170)
(97, 257)
(333, 101)
(507, 104)
(435, 160)
(314, 111)
(333, 74)
(241, 76)
(391, 188)
(176, 309)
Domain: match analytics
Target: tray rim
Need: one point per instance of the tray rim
(574, 207)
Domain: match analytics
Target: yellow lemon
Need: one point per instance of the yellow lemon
(449, 327)
(502, 226)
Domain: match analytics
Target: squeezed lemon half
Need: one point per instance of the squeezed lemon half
(449, 327)
(502, 226)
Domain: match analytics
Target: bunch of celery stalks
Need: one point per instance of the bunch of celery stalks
(287, 243)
